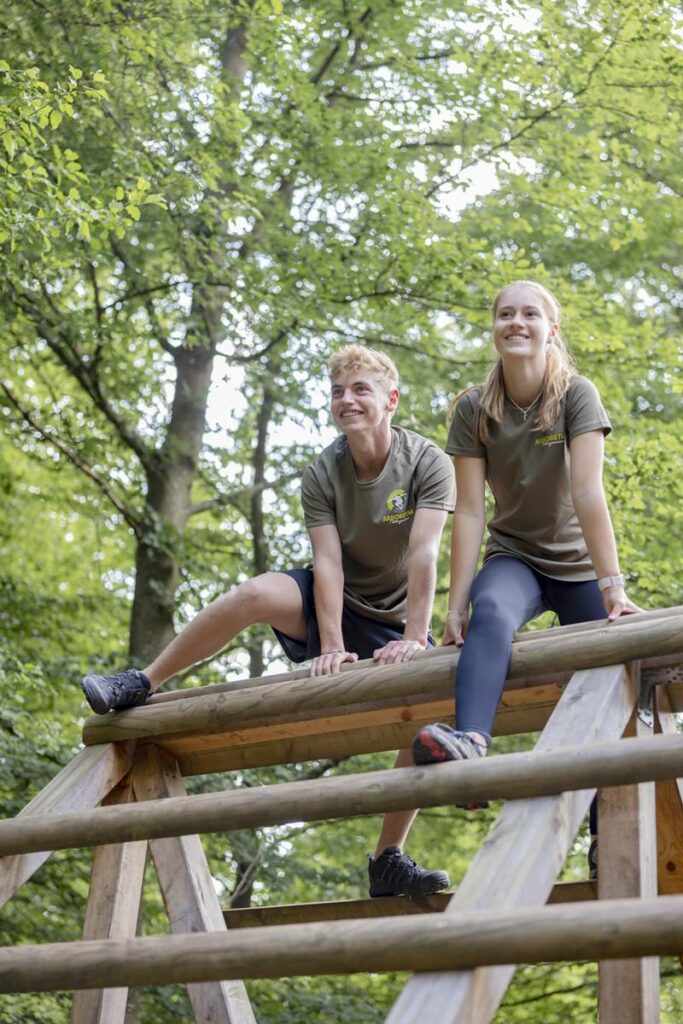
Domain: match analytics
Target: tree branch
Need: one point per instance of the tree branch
(74, 458)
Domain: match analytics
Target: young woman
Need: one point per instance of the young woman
(535, 432)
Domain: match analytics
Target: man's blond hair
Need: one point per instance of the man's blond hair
(357, 357)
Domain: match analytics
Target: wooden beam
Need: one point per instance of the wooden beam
(206, 715)
(188, 890)
(343, 731)
(111, 913)
(81, 784)
(628, 990)
(499, 777)
(388, 906)
(669, 811)
(303, 673)
(522, 855)
(595, 931)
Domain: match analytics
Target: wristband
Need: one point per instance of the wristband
(611, 581)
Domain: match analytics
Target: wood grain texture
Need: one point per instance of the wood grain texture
(112, 912)
(521, 857)
(204, 716)
(188, 890)
(628, 990)
(82, 783)
(513, 777)
(421, 942)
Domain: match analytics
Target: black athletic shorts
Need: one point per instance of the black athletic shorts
(362, 636)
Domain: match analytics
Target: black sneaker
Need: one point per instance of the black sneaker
(435, 744)
(593, 861)
(124, 690)
(395, 874)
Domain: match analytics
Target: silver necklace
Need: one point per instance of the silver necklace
(528, 409)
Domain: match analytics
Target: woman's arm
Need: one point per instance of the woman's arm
(588, 496)
(467, 532)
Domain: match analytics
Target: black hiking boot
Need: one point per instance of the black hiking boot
(396, 874)
(438, 743)
(123, 690)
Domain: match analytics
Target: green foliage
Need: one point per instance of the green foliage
(252, 184)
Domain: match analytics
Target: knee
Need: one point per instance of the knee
(247, 601)
(489, 610)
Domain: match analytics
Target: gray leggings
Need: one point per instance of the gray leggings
(507, 593)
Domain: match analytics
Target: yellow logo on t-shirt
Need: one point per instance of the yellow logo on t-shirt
(551, 439)
(396, 503)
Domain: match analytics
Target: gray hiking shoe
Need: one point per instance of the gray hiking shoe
(393, 873)
(435, 744)
(123, 690)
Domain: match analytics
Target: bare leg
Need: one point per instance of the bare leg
(273, 598)
(396, 824)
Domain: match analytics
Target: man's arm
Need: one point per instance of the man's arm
(423, 550)
(328, 592)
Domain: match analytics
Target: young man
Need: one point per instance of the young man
(375, 503)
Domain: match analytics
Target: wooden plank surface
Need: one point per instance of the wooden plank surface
(628, 990)
(528, 935)
(111, 913)
(389, 906)
(522, 856)
(188, 890)
(82, 783)
(541, 772)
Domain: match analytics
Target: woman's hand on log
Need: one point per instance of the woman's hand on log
(617, 603)
(456, 629)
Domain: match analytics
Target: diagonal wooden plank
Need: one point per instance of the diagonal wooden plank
(628, 990)
(188, 891)
(111, 913)
(81, 784)
(521, 857)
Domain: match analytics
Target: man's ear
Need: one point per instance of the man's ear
(392, 399)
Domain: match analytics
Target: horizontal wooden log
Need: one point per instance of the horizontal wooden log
(503, 777)
(206, 715)
(303, 673)
(429, 942)
(389, 906)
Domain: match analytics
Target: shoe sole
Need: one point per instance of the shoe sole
(94, 696)
(428, 750)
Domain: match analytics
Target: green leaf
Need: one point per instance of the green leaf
(133, 211)
(55, 119)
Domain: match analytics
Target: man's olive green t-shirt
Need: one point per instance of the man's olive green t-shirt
(374, 518)
(528, 472)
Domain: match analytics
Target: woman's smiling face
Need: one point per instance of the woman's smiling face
(521, 325)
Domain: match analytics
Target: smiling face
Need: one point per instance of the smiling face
(522, 326)
(361, 401)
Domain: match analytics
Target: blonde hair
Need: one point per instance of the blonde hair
(355, 357)
(559, 369)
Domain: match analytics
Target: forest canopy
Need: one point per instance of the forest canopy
(198, 203)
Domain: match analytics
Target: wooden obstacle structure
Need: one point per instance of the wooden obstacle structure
(604, 698)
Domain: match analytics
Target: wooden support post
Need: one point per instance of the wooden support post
(669, 811)
(188, 891)
(81, 784)
(628, 990)
(112, 912)
(522, 855)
